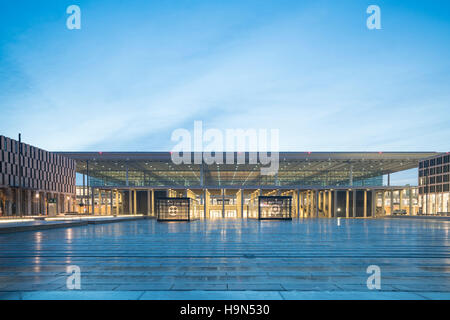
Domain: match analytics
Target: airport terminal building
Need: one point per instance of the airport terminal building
(306, 185)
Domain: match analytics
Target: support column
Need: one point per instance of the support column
(309, 213)
(223, 203)
(335, 203)
(58, 203)
(42, 204)
(329, 204)
(100, 204)
(302, 204)
(347, 203)
(410, 202)
(207, 204)
(319, 195)
(92, 200)
(298, 203)
(307, 204)
(300, 200)
(88, 184)
(18, 204)
(149, 202)
(324, 203)
(401, 199)
(37, 208)
(306, 211)
(392, 201)
(111, 211)
(40, 208)
(317, 203)
(374, 204)
(365, 203)
(321, 201)
(9, 204)
(238, 204)
(354, 204)
(135, 202)
(311, 203)
(153, 202)
(29, 210)
(383, 203)
(130, 202)
(83, 201)
(117, 202)
(242, 203)
(204, 203)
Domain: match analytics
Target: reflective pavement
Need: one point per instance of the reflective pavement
(231, 259)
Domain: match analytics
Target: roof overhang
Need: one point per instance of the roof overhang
(295, 168)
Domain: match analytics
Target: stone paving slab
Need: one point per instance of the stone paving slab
(142, 287)
(211, 295)
(435, 295)
(349, 295)
(73, 295)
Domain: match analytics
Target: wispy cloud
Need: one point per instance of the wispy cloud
(135, 73)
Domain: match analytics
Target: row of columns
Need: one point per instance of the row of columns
(28, 202)
(323, 203)
(115, 205)
(305, 204)
(433, 203)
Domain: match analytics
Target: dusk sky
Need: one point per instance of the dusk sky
(138, 70)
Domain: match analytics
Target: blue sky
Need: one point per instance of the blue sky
(137, 70)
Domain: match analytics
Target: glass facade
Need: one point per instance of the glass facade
(136, 175)
(434, 185)
(130, 183)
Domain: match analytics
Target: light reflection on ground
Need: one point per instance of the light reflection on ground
(285, 257)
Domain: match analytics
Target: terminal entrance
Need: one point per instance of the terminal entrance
(222, 204)
(241, 203)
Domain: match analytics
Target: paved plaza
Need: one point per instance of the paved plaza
(230, 259)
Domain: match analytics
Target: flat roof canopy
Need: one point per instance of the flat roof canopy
(295, 169)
